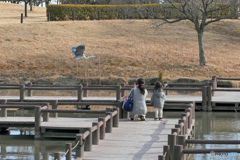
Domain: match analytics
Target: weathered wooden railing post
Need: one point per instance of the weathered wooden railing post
(118, 94)
(209, 101)
(177, 130)
(85, 92)
(57, 156)
(55, 106)
(96, 133)
(119, 105)
(22, 88)
(88, 139)
(184, 117)
(79, 93)
(189, 117)
(171, 143)
(69, 149)
(109, 123)
(29, 90)
(166, 149)
(80, 146)
(204, 98)
(214, 79)
(122, 91)
(37, 111)
(178, 155)
(181, 140)
(4, 110)
(165, 84)
(182, 122)
(46, 114)
(180, 129)
(102, 128)
(116, 118)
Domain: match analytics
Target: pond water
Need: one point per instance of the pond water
(20, 144)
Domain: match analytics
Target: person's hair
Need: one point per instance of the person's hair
(158, 86)
(140, 83)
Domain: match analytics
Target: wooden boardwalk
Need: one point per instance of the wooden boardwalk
(219, 96)
(133, 140)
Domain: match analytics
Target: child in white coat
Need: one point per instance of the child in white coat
(157, 100)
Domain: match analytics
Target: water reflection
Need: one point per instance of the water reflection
(20, 144)
(216, 126)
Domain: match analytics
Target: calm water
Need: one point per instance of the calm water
(217, 125)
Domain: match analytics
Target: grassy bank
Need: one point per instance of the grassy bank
(122, 48)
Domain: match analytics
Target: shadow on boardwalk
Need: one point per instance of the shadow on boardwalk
(133, 141)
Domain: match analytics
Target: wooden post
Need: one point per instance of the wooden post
(57, 156)
(209, 93)
(55, 106)
(80, 146)
(185, 122)
(177, 130)
(4, 110)
(161, 157)
(109, 123)
(85, 92)
(171, 143)
(21, 17)
(118, 93)
(119, 106)
(179, 127)
(178, 155)
(29, 90)
(181, 140)
(189, 118)
(166, 149)
(22, 88)
(37, 111)
(88, 140)
(214, 79)
(183, 126)
(204, 98)
(212, 85)
(80, 93)
(122, 91)
(116, 118)
(69, 149)
(102, 128)
(46, 116)
(96, 133)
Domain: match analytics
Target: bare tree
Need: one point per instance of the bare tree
(198, 11)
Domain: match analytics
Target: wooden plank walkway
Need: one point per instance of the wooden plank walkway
(219, 96)
(133, 140)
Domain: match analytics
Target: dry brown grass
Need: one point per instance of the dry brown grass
(126, 48)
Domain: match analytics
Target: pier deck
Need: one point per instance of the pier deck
(219, 96)
(133, 140)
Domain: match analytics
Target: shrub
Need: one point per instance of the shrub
(90, 12)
